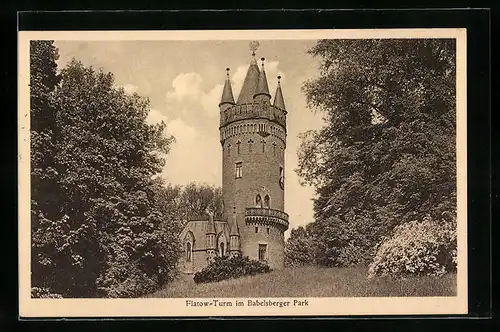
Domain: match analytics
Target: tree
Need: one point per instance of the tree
(45, 196)
(195, 199)
(300, 248)
(386, 154)
(109, 237)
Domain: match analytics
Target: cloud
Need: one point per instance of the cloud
(156, 116)
(182, 131)
(130, 88)
(210, 100)
(185, 86)
(193, 157)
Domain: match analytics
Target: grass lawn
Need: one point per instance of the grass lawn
(311, 282)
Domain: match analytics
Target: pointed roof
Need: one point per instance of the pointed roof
(210, 225)
(279, 102)
(227, 92)
(234, 227)
(250, 83)
(262, 87)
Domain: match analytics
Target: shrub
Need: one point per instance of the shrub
(44, 293)
(230, 267)
(417, 248)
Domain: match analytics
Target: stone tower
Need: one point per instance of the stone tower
(253, 139)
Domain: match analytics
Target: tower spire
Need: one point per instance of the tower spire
(251, 79)
(279, 102)
(262, 87)
(227, 92)
(211, 224)
(234, 231)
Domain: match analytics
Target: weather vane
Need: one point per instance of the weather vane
(254, 45)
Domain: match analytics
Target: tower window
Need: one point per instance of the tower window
(282, 178)
(221, 249)
(256, 229)
(263, 146)
(238, 146)
(239, 171)
(262, 252)
(250, 143)
(229, 149)
(268, 230)
(258, 201)
(267, 200)
(188, 252)
(274, 148)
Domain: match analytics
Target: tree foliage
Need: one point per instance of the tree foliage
(97, 228)
(196, 198)
(300, 249)
(386, 154)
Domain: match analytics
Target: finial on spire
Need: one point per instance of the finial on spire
(254, 45)
(279, 102)
(262, 59)
(227, 72)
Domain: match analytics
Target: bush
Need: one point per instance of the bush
(417, 248)
(44, 293)
(230, 267)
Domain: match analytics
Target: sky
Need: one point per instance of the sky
(183, 81)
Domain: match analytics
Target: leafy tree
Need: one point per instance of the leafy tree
(386, 154)
(300, 248)
(45, 198)
(109, 236)
(195, 199)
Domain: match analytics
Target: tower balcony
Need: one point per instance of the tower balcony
(267, 216)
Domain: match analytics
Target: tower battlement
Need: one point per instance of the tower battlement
(240, 112)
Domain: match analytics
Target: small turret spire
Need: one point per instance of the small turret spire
(234, 231)
(279, 102)
(211, 224)
(262, 87)
(227, 92)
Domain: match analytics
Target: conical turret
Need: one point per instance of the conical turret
(262, 87)
(279, 102)
(234, 236)
(227, 93)
(234, 231)
(211, 224)
(250, 84)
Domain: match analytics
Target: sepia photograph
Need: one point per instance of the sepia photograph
(236, 173)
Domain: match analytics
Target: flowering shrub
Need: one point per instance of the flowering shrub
(417, 248)
(230, 267)
(44, 293)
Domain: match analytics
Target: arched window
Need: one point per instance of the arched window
(221, 249)
(258, 201)
(188, 252)
(267, 203)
